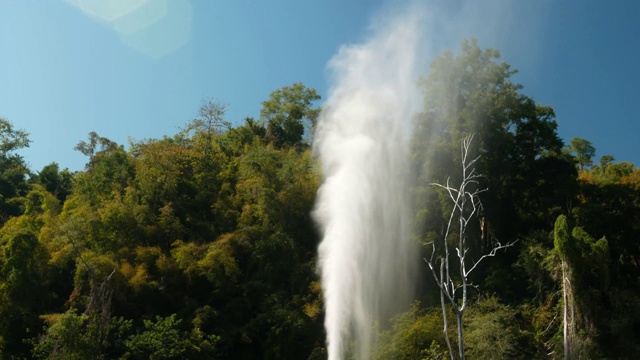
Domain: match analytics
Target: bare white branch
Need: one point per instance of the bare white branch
(466, 205)
(490, 254)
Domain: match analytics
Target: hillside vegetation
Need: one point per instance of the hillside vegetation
(201, 245)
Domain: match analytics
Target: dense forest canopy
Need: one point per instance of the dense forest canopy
(200, 245)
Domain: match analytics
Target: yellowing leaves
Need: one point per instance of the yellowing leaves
(141, 279)
(213, 261)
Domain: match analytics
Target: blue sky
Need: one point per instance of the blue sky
(141, 68)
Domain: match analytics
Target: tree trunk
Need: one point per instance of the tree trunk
(444, 311)
(565, 323)
(460, 338)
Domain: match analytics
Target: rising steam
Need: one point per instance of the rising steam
(365, 257)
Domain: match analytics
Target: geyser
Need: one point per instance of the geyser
(365, 257)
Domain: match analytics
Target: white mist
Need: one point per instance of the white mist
(365, 257)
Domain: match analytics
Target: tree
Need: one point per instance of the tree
(606, 172)
(585, 277)
(13, 170)
(530, 176)
(285, 112)
(55, 181)
(65, 338)
(605, 274)
(11, 139)
(583, 151)
(108, 171)
(562, 244)
(22, 286)
(489, 333)
(212, 117)
(209, 124)
(414, 334)
(96, 144)
(466, 206)
(605, 161)
(161, 339)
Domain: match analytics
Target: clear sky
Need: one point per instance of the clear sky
(141, 68)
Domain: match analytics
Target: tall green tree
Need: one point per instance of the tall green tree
(13, 170)
(583, 150)
(23, 278)
(56, 181)
(108, 170)
(286, 113)
(529, 176)
(11, 139)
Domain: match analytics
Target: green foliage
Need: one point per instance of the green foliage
(583, 150)
(434, 352)
(65, 339)
(201, 245)
(415, 334)
(96, 144)
(593, 257)
(39, 201)
(561, 241)
(490, 332)
(23, 275)
(608, 173)
(108, 171)
(11, 139)
(164, 339)
(13, 170)
(56, 182)
(609, 208)
(529, 177)
(285, 111)
(80, 336)
(214, 262)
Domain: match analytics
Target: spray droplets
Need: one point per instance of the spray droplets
(362, 207)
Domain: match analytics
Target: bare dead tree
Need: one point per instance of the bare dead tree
(466, 205)
(212, 116)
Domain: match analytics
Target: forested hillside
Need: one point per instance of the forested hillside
(201, 245)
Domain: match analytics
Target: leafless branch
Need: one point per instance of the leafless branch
(466, 205)
(490, 254)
